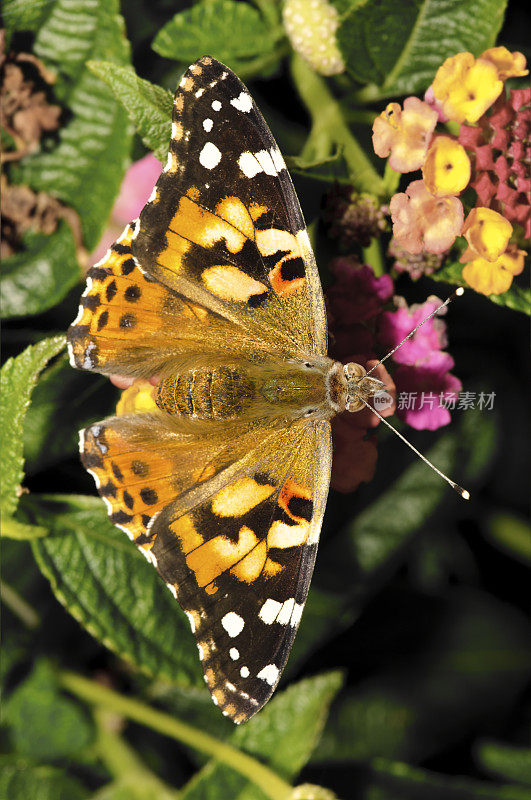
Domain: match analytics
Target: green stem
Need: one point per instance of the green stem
(372, 255)
(18, 606)
(123, 762)
(329, 129)
(268, 781)
(391, 180)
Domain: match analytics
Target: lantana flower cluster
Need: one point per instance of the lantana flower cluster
(365, 322)
(491, 155)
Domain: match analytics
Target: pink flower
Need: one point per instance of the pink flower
(423, 391)
(421, 347)
(433, 103)
(422, 221)
(136, 187)
(405, 134)
(356, 295)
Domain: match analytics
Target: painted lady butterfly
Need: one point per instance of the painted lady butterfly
(215, 289)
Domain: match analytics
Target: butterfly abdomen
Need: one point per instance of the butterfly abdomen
(222, 393)
(247, 391)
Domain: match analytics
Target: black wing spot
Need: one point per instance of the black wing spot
(149, 496)
(128, 266)
(111, 290)
(132, 293)
(128, 500)
(103, 320)
(140, 468)
(292, 268)
(127, 321)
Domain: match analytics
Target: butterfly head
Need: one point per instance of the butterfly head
(360, 386)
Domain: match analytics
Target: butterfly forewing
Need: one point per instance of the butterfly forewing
(224, 218)
(216, 278)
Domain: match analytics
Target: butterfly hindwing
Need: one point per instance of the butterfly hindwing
(237, 550)
(224, 225)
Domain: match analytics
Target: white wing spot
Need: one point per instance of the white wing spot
(244, 672)
(269, 674)
(207, 124)
(278, 161)
(242, 103)
(199, 92)
(172, 589)
(209, 156)
(266, 162)
(287, 608)
(234, 653)
(296, 615)
(249, 165)
(233, 623)
(216, 105)
(269, 611)
(191, 621)
(201, 652)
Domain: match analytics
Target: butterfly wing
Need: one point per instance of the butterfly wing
(232, 528)
(217, 267)
(223, 226)
(130, 324)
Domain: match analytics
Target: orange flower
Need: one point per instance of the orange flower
(494, 277)
(447, 167)
(424, 222)
(404, 134)
(509, 65)
(465, 87)
(487, 234)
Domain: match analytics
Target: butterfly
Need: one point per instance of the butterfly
(214, 290)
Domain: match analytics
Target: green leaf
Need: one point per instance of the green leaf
(64, 401)
(505, 761)
(149, 106)
(20, 780)
(44, 724)
(17, 379)
(86, 167)
(227, 30)
(19, 15)
(391, 520)
(472, 667)
(393, 780)
(516, 297)
(283, 735)
(512, 535)
(399, 47)
(105, 583)
(40, 276)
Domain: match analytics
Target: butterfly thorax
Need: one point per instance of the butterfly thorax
(283, 389)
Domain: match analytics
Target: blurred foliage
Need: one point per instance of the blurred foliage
(411, 667)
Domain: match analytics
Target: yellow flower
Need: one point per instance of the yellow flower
(405, 134)
(466, 87)
(447, 167)
(487, 233)
(494, 277)
(136, 399)
(509, 65)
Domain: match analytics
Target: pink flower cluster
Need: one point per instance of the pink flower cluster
(423, 366)
(361, 326)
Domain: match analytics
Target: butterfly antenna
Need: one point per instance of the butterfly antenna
(458, 292)
(459, 489)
